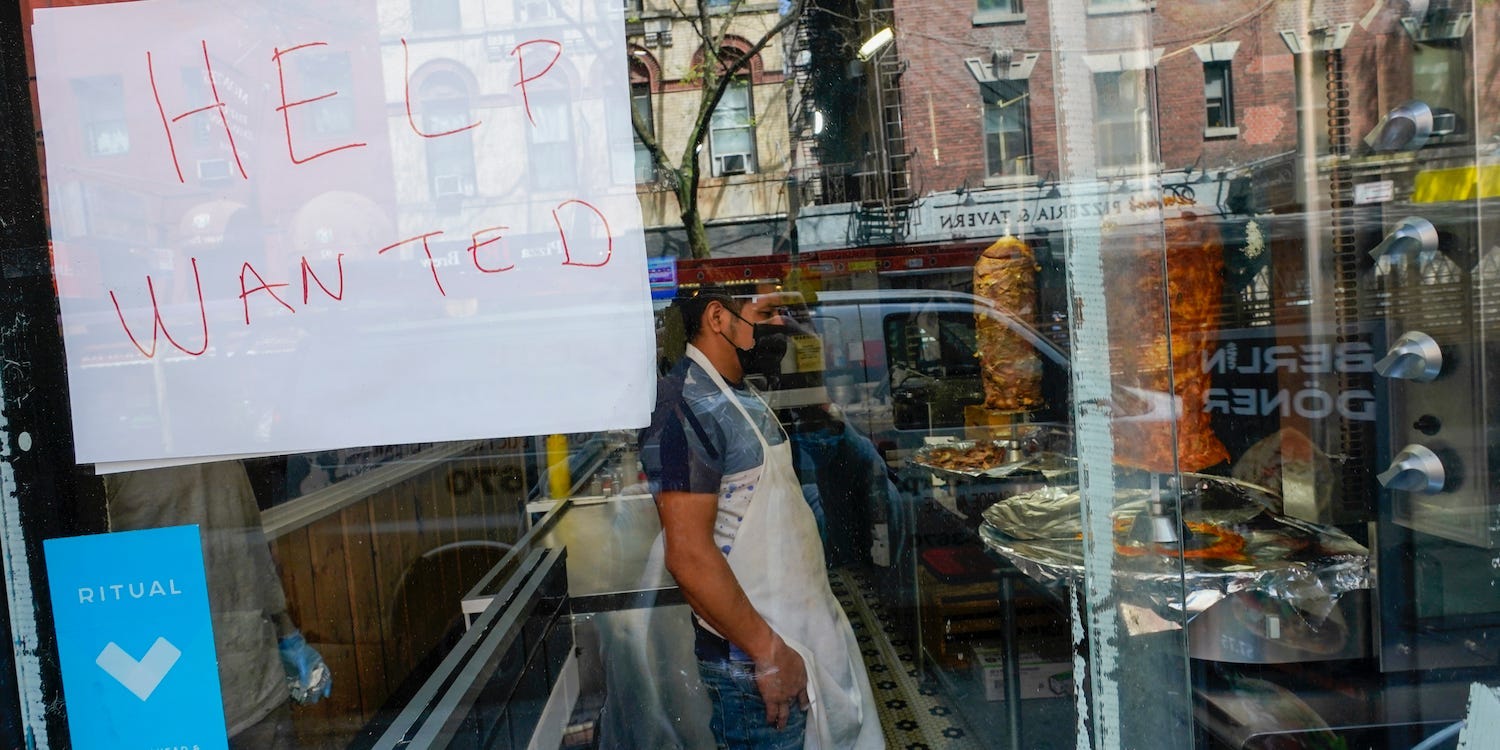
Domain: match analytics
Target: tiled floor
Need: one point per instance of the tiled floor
(914, 715)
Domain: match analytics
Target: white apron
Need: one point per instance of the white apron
(777, 558)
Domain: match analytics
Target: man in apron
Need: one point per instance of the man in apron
(775, 651)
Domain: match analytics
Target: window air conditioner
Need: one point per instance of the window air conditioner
(1444, 122)
(447, 185)
(213, 169)
(727, 164)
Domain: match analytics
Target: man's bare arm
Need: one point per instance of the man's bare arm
(709, 585)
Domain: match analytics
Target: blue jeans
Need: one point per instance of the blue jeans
(739, 718)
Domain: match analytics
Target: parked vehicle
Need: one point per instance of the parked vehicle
(900, 365)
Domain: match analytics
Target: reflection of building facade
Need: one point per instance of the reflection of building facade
(455, 99)
(961, 107)
(220, 154)
(1344, 156)
(744, 158)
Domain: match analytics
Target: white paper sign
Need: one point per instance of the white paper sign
(283, 227)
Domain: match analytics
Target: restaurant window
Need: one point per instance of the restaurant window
(1218, 94)
(1007, 128)
(450, 159)
(101, 107)
(1123, 129)
(434, 15)
(732, 132)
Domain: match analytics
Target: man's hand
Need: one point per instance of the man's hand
(781, 678)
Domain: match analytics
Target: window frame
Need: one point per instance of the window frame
(565, 176)
(96, 120)
(436, 16)
(987, 12)
(444, 104)
(1142, 120)
(742, 83)
(640, 93)
(996, 138)
(1227, 124)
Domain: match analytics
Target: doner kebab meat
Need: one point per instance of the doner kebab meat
(1010, 368)
(1138, 329)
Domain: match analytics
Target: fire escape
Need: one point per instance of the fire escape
(806, 179)
(869, 167)
(887, 196)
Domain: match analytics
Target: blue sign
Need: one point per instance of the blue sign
(662, 273)
(136, 641)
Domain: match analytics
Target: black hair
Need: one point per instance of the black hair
(692, 303)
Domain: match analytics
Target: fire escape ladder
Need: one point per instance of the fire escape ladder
(886, 209)
(807, 173)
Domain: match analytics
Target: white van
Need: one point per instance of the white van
(900, 365)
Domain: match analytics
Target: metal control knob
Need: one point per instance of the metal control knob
(1415, 469)
(1413, 237)
(1415, 356)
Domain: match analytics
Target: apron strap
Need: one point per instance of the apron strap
(699, 357)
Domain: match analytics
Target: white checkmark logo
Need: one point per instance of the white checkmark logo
(139, 677)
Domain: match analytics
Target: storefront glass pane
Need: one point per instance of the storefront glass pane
(1093, 373)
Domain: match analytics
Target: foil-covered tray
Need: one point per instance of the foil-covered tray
(994, 459)
(1052, 512)
(1304, 565)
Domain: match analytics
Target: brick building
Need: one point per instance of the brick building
(1190, 93)
(744, 157)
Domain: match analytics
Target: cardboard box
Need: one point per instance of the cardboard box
(1040, 677)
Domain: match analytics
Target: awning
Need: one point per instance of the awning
(340, 220)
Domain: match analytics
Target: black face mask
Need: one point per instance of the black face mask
(764, 358)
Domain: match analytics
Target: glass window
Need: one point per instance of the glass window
(998, 6)
(1123, 118)
(323, 73)
(1440, 78)
(934, 373)
(450, 158)
(1218, 94)
(732, 132)
(1007, 128)
(1311, 86)
(434, 15)
(101, 104)
(640, 100)
(1139, 416)
(551, 143)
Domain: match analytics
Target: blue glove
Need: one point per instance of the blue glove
(307, 676)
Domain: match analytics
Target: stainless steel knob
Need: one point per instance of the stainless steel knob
(1415, 356)
(1415, 469)
(1405, 128)
(1411, 238)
